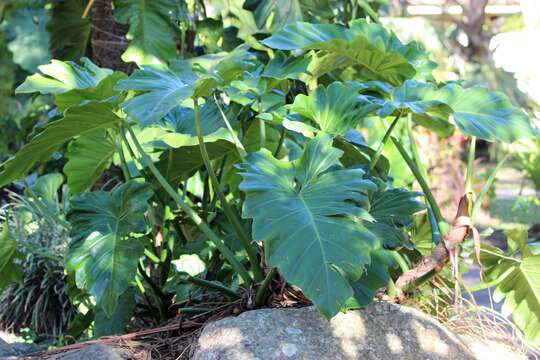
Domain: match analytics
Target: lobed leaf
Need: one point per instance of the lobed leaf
(303, 212)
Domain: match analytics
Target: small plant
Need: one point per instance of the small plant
(242, 165)
(39, 301)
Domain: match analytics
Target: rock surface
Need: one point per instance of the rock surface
(380, 331)
(93, 352)
(13, 350)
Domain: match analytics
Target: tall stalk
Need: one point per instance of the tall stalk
(239, 146)
(414, 149)
(487, 185)
(145, 161)
(421, 180)
(379, 151)
(470, 165)
(227, 208)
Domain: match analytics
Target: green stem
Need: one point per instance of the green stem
(391, 288)
(195, 310)
(400, 261)
(157, 290)
(421, 180)
(262, 133)
(218, 189)
(239, 147)
(486, 285)
(260, 297)
(414, 149)
(220, 245)
(367, 8)
(487, 185)
(123, 162)
(470, 165)
(280, 143)
(379, 151)
(213, 286)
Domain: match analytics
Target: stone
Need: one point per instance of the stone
(379, 331)
(92, 352)
(15, 349)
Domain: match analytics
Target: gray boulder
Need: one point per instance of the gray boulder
(379, 331)
(13, 350)
(92, 352)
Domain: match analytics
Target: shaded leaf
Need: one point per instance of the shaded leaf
(115, 323)
(103, 253)
(376, 276)
(69, 32)
(11, 272)
(151, 30)
(29, 41)
(88, 156)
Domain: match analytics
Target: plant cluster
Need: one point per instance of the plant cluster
(241, 165)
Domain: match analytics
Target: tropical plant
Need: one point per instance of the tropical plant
(248, 163)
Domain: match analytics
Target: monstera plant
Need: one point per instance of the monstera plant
(235, 170)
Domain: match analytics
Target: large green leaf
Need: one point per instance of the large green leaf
(485, 114)
(59, 77)
(335, 109)
(11, 272)
(88, 156)
(76, 121)
(151, 30)
(69, 31)
(29, 40)
(377, 53)
(163, 89)
(103, 252)
(303, 212)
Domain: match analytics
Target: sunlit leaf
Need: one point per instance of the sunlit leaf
(59, 77)
(335, 109)
(488, 115)
(377, 53)
(76, 121)
(302, 211)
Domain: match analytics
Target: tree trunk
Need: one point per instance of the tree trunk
(108, 38)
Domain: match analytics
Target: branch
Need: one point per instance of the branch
(440, 255)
